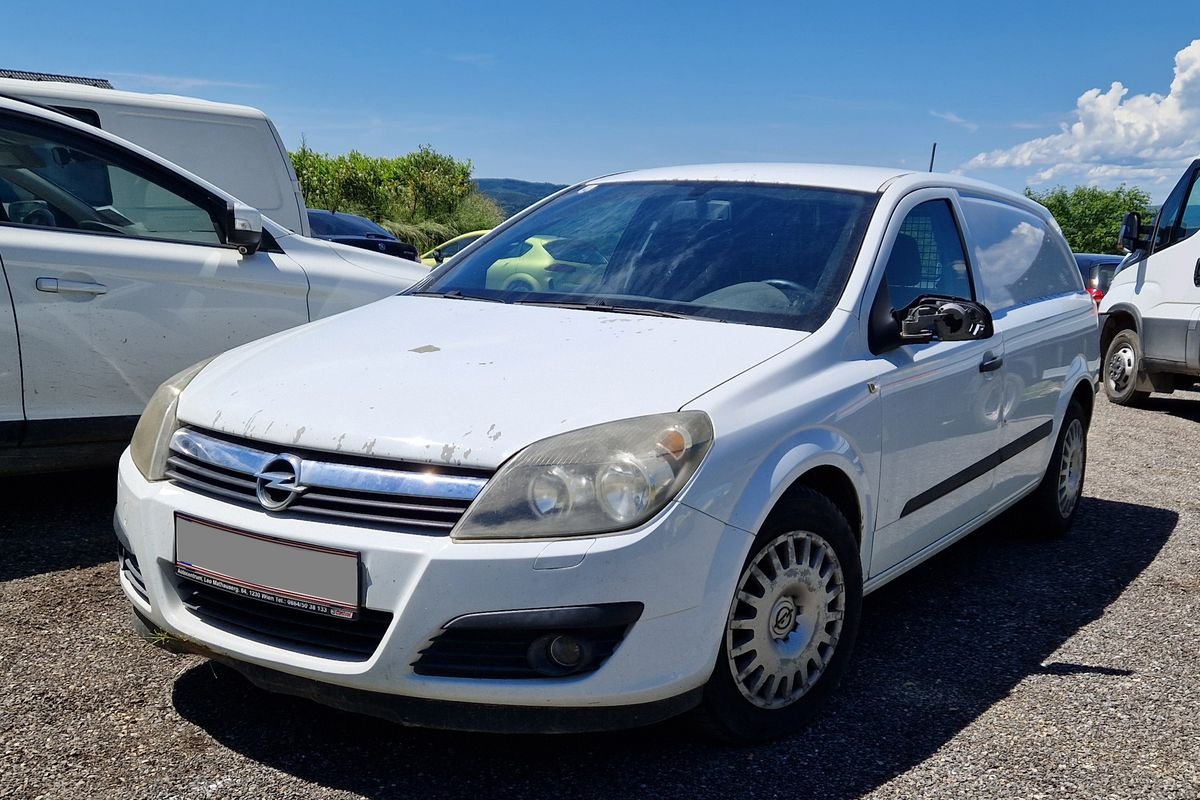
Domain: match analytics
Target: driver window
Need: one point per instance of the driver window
(927, 256)
(49, 182)
(1189, 220)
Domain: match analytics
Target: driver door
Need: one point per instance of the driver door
(1168, 282)
(940, 400)
(118, 273)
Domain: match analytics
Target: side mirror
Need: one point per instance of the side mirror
(437, 256)
(947, 319)
(243, 227)
(1130, 237)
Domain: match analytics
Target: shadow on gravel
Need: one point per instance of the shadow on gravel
(55, 522)
(937, 649)
(1184, 407)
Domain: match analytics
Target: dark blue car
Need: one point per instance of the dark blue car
(1098, 270)
(356, 231)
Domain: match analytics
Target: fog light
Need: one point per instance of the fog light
(557, 655)
(566, 652)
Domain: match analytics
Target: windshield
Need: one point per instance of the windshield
(752, 253)
(330, 224)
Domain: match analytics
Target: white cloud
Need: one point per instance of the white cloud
(1117, 137)
(955, 119)
(172, 83)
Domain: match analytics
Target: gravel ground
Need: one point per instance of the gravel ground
(1007, 667)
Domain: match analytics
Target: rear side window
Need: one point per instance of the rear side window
(1018, 258)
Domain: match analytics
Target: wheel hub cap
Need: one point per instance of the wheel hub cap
(1120, 368)
(1070, 468)
(785, 620)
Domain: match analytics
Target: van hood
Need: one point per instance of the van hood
(462, 382)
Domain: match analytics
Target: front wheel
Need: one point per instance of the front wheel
(1122, 366)
(791, 626)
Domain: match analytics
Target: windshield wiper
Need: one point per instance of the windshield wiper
(457, 294)
(646, 312)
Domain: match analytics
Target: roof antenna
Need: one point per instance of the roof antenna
(932, 156)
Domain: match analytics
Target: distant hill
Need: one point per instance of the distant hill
(513, 195)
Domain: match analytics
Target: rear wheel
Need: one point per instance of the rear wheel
(1122, 366)
(791, 625)
(1053, 505)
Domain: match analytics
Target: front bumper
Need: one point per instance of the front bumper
(681, 567)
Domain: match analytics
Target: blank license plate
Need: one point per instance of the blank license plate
(320, 580)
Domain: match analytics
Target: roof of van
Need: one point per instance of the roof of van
(24, 75)
(832, 176)
(865, 179)
(828, 176)
(57, 92)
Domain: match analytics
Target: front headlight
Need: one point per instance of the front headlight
(152, 437)
(601, 479)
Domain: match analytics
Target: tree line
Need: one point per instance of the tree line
(424, 197)
(1090, 217)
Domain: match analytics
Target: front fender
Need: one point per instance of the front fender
(780, 468)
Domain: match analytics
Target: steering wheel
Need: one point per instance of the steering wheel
(795, 292)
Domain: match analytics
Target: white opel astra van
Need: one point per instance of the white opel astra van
(746, 396)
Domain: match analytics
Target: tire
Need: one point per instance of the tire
(791, 625)
(1055, 502)
(1122, 366)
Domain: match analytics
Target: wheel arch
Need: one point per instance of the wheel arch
(822, 460)
(1085, 394)
(833, 483)
(1120, 317)
(522, 278)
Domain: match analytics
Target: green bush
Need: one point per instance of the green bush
(424, 197)
(1090, 217)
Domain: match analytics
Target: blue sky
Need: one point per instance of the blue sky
(562, 91)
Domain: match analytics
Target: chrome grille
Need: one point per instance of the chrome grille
(409, 497)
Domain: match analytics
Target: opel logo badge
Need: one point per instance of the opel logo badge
(278, 484)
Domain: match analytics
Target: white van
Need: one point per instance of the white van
(1150, 331)
(231, 146)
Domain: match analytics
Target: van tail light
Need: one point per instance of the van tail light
(1097, 294)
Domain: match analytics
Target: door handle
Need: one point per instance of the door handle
(1196, 274)
(56, 286)
(991, 363)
